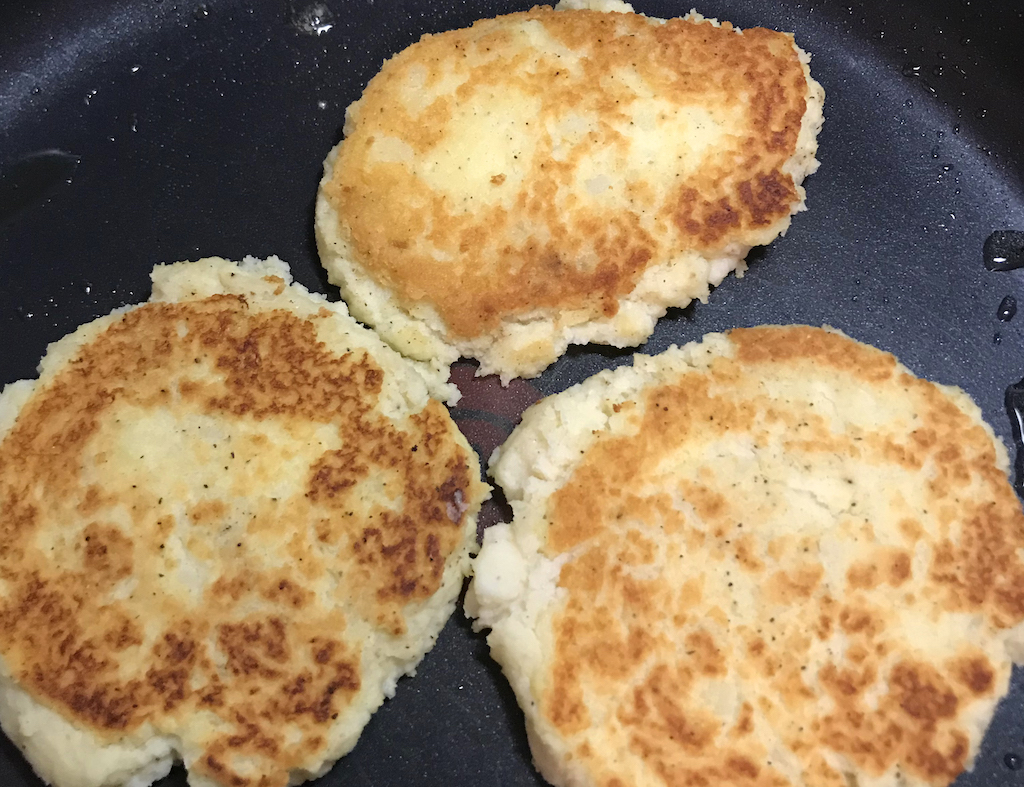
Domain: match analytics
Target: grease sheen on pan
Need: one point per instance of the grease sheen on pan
(775, 557)
(231, 519)
(555, 177)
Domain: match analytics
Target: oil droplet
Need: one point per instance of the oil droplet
(1004, 250)
(908, 103)
(1007, 308)
(89, 96)
(937, 71)
(911, 70)
(935, 152)
(1013, 761)
(321, 104)
(979, 114)
(86, 287)
(33, 179)
(997, 338)
(956, 129)
(202, 12)
(315, 19)
(24, 313)
(36, 90)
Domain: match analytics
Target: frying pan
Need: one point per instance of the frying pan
(134, 132)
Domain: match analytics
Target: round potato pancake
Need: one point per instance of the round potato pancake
(559, 177)
(231, 519)
(775, 557)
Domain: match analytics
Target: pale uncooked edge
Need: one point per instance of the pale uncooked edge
(535, 461)
(69, 756)
(420, 333)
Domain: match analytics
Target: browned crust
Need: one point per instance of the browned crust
(258, 648)
(621, 627)
(497, 269)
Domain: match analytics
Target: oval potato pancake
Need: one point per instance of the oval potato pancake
(561, 176)
(231, 519)
(775, 557)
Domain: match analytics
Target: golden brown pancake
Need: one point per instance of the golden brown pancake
(231, 519)
(775, 557)
(561, 176)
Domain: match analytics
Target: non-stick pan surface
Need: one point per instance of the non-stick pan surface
(134, 132)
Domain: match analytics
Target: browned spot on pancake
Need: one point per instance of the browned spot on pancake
(789, 681)
(546, 244)
(944, 764)
(660, 709)
(897, 567)
(975, 673)
(706, 657)
(174, 658)
(579, 506)
(638, 549)
(257, 648)
(124, 633)
(745, 721)
(862, 575)
(91, 501)
(746, 554)
(208, 512)
(825, 620)
(108, 553)
(564, 700)
(912, 723)
(788, 587)
(861, 619)
(846, 683)
(711, 506)
(115, 627)
(743, 767)
(232, 587)
(921, 691)
(287, 592)
(336, 472)
(800, 343)
(869, 740)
